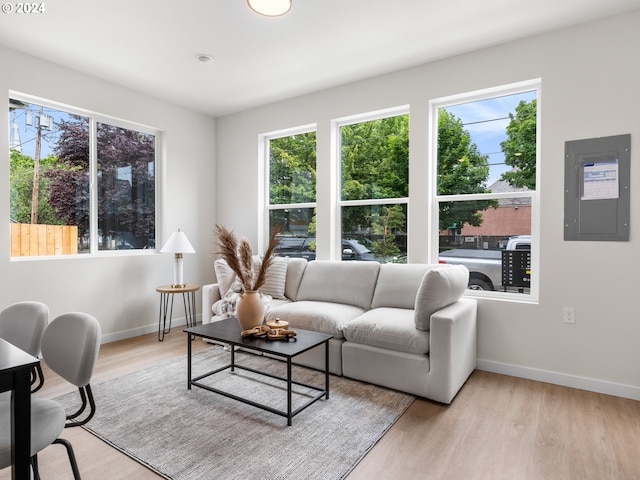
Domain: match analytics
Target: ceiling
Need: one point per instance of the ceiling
(152, 45)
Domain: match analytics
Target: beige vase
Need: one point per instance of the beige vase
(250, 311)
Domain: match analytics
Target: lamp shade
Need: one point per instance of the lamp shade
(178, 243)
(270, 8)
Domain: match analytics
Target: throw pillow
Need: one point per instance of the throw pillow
(228, 305)
(224, 274)
(275, 279)
(441, 286)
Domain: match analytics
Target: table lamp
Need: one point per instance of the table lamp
(178, 243)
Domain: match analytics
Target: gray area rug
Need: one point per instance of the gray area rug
(195, 434)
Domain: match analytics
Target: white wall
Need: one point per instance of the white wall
(590, 88)
(119, 291)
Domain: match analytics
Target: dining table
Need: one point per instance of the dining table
(15, 376)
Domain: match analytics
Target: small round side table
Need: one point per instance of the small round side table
(188, 298)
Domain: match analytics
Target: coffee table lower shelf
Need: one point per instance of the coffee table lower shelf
(289, 414)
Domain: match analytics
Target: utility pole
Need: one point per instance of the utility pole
(35, 191)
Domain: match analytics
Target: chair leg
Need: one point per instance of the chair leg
(37, 376)
(72, 457)
(34, 467)
(86, 395)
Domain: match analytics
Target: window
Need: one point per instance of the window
(374, 171)
(485, 176)
(292, 191)
(79, 183)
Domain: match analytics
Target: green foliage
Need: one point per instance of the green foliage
(383, 224)
(375, 164)
(292, 179)
(375, 159)
(462, 169)
(520, 147)
(292, 169)
(21, 181)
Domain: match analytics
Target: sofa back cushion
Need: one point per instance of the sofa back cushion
(398, 284)
(349, 282)
(441, 286)
(295, 271)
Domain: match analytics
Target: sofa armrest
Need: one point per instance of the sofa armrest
(210, 295)
(453, 347)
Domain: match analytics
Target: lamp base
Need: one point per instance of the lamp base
(178, 281)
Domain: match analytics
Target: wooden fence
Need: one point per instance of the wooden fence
(29, 240)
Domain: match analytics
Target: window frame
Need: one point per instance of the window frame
(94, 118)
(534, 196)
(336, 126)
(264, 143)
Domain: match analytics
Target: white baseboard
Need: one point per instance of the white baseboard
(581, 383)
(136, 332)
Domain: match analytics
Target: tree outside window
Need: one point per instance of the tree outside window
(374, 161)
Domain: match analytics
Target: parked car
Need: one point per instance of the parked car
(301, 247)
(355, 250)
(296, 247)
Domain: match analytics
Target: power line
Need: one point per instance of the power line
(487, 121)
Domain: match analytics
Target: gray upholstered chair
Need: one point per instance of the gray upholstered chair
(22, 324)
(70, 346)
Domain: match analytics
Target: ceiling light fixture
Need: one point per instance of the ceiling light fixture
(270, 8)
(204, 59)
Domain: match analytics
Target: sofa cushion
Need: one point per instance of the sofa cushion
(349, 283)
(390, 328)
(323, 317)
(295, 271)
(398, 284)
(441, 286)
(275, 278)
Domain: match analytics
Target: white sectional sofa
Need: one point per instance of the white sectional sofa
(405, 327)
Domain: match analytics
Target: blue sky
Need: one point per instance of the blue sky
(493, 115)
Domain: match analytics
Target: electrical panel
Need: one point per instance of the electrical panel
(596, 193)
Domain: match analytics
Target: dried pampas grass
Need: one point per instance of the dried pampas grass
(239, 257)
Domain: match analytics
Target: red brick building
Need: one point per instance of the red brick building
(511, 217)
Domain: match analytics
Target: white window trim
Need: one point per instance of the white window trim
(434, 199)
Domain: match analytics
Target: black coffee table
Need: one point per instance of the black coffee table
(228, 331)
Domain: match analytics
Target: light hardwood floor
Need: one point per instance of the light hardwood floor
(498, 427)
